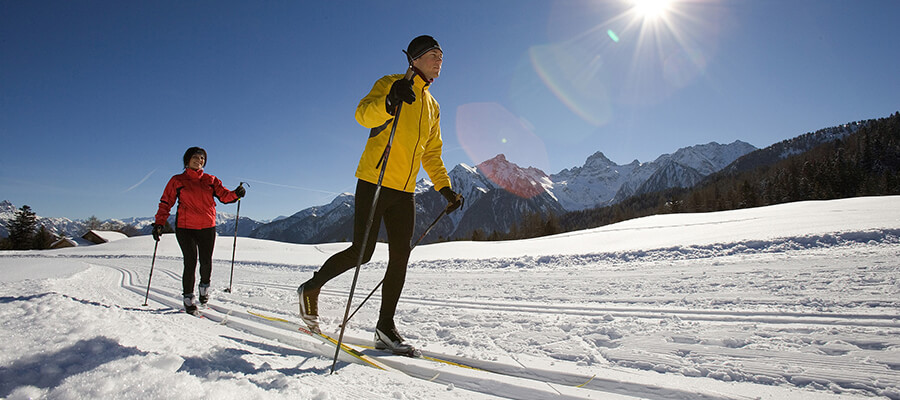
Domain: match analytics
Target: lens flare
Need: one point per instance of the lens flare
(485, 130)
(630, 52)
(683, 67)
(577, 76)
(612, 35)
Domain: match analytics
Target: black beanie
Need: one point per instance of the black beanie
(190, 153)
(419, 46)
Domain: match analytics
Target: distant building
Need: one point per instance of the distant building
(100, 237)
(63, 243)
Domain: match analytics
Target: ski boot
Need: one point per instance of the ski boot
(309, 308)
(190, 306)
(204, 294)
(390, 340)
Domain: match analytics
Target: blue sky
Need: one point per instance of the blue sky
(99, 99)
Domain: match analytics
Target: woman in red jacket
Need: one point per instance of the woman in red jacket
(195, 220)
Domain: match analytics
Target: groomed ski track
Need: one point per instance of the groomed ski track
(794, 301)
(814, 323)
(515, 377)
(518, 382)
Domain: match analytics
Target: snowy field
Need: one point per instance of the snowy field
(796, 301)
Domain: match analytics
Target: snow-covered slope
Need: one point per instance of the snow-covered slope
(795, 301)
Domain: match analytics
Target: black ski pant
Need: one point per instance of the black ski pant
(398, 212)
(196, 243)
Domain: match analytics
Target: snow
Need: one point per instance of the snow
(796, 301)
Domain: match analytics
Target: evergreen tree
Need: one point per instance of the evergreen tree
(551, 227)
(129, 230)
(93, 222)
(477, 235)
(748, 196)
(43, 239)
(167, 228)
(21, 229)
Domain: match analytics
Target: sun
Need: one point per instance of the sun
(651, 9)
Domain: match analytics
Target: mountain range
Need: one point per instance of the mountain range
(499, 194)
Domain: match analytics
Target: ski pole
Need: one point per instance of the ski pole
(152, 263)
(443, 213)
(237, 218)
(365, 239)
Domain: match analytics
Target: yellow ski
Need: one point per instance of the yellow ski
(324, 339)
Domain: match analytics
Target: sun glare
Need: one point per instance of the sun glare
(651, 9)
(640, 52)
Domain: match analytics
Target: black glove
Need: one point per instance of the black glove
(401, 90)
(454, 200)
(157, 231)
(240, 191)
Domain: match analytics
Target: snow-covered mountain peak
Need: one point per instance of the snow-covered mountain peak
(601, 182)
(465, 168)
(341, 199)
(524, 182)
(7, 213)
(499, 158)
(598, 160)
(708, 158)
(7, 206)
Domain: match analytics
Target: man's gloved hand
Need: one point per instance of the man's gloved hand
(454, 200)
(401, 90)
(240, 191)
(157, 231)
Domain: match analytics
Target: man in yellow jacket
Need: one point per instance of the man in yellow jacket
(417, 142)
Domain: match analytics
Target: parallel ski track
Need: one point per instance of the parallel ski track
(806, 366)
(770, 317)
(518, 382)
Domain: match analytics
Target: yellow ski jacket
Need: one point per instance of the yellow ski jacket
(417, 140)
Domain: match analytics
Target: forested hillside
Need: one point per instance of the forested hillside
(863, 163)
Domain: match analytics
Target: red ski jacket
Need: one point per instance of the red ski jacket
(195, 192)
